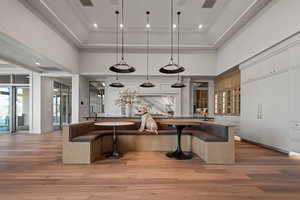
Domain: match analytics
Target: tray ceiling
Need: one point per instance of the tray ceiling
(218, 23)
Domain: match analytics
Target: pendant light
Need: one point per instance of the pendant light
(147, 84)
(122, 66)
(172, 67)
(117, 83)
(178, 84)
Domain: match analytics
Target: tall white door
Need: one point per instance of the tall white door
(250, 101)
(275, 110)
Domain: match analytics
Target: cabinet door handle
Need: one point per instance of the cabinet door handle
(257, 111)
(261, 108)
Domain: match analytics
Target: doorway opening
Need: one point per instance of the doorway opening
(62, 105)
(14, 109)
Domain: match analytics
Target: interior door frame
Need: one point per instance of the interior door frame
(58, 127)
(14, 109)
(13, 106)
(10, 107)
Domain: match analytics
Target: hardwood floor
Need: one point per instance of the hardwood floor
(31, 169)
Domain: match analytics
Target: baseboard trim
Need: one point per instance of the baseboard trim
(266, 146)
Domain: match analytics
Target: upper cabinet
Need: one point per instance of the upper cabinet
(295, 56)
(266, 66)
(295, 93)
(271, 98)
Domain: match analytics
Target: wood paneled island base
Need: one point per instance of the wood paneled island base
(31, 169)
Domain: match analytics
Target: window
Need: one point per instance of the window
(4, 78)
(14, 78)
(20, 79)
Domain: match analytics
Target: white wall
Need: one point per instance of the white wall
(201, 63)
(46, 104)
(277, 21)
(22, 25)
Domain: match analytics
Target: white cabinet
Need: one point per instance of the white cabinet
(250, 127)
(265, 110)
(270, 100)
(295, 56)
(294, 138)
(295, 93)
(267, 67)
(274, 111)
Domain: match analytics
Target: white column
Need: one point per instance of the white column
(35, 103)
(75, 98)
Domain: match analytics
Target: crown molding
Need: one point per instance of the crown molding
(227, 34)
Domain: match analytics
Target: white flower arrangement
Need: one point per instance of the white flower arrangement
(126, 97)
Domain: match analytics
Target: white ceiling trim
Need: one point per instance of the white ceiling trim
(214, 44)
(61, 21)
(235, 22)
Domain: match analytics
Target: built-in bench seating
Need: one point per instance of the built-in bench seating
(86, 142)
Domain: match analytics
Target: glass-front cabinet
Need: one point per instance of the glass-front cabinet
(227, 93)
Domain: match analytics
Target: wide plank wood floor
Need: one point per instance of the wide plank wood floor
(31, 169)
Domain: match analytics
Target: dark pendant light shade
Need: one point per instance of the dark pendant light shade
(178, 84)
(122, 66)
(172, 67)
(117, 83)
(147, 84)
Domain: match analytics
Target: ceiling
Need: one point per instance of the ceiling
(76, 22)
(7, 65)
(15, 54)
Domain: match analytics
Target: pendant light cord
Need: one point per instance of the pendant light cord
(117, 40)
(178, 38)
(171, 30)
(122, 30)
(148, 45)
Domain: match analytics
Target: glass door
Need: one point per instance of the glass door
(56, 106)
(61, 105)
(5, 109)
(21, 109)
(64, 104)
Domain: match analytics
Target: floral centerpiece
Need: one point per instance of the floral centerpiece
(126, 100)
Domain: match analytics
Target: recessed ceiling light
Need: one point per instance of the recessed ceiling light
(121, 26)
(174, 26)
(38, 64)
(147, 25)
(95, 25)
(200, 26)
